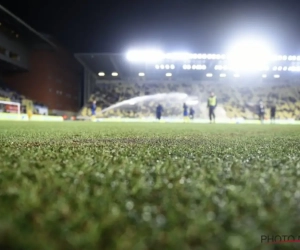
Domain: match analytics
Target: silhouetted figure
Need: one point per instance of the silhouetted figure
(212, 104)
(261, 111)
(192, 113)
(159, 110)
(273, 113)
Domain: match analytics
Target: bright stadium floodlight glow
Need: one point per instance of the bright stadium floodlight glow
(150, 56)
(194, 67)
(217, 67)
(162, 66)
(167, 66)
(290, 58)
(114, 74)
(204, 67)
(225, 67)
(276, 76)
(298, 58)
(204, 56)
(179, 56)
(194, 56)
(168, 74)
(188, 67)
(157, 66)
(199, 67)
(101, 74)
(249, 55)
(284, 58)
(222, 75)
(172, 66)
(236, 75)
(279, 68)
(285, 68)
(218, 56)
(141, 74)
(264, 76)
(209, 75)
(223, 57)
(274, 68)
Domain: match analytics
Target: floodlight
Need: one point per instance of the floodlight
(264, 76)
(204, 56)
(290, 68)
(167, 66)
(180, 56)
(223, 57)
(285, 68)
(290, 58)
(209, 75)
(279, 68)
(284, 58)
(217, 67)
(157, 66)
(194, 56)
(172, 66)
(194, 67)
(276, 76)
(141, 74)
(298, 58)
(225, 67)
(114, 74)
(218, 56)
(249, 55)
(101, 74)
(236, 75)
(274, 68)
(204, 67)
(168, 74)
(199, 67)
(162, 66)
(188, 67)
(145, 56)
(222, 75)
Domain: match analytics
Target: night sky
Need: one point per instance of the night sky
(171, 25)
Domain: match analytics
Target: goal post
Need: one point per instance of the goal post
(10, 107)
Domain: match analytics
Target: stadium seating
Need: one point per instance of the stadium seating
(7, 94)
(238, 99)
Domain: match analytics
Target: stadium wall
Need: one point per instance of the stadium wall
(13, 51)
(53, 79)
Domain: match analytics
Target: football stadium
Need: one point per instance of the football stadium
(147, 149)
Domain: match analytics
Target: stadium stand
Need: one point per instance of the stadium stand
(238, 97)
(238, 100)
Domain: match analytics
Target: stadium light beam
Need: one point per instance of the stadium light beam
(141, 74)
(168, 74)
(209, 75)
(114, 74)
(101, 74)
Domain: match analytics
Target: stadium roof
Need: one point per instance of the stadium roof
(23, 28)
(109, 66)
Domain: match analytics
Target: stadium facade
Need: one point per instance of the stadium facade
(36, 66)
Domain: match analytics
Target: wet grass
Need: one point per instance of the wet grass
(147, 186)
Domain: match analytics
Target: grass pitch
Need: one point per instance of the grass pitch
(147, 186)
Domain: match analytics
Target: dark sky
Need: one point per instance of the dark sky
(187, 25)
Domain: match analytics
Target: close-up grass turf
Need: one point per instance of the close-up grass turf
(86, 185)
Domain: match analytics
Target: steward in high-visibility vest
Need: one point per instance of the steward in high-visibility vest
(212, 104)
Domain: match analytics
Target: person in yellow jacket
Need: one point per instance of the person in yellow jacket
(212, 104)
